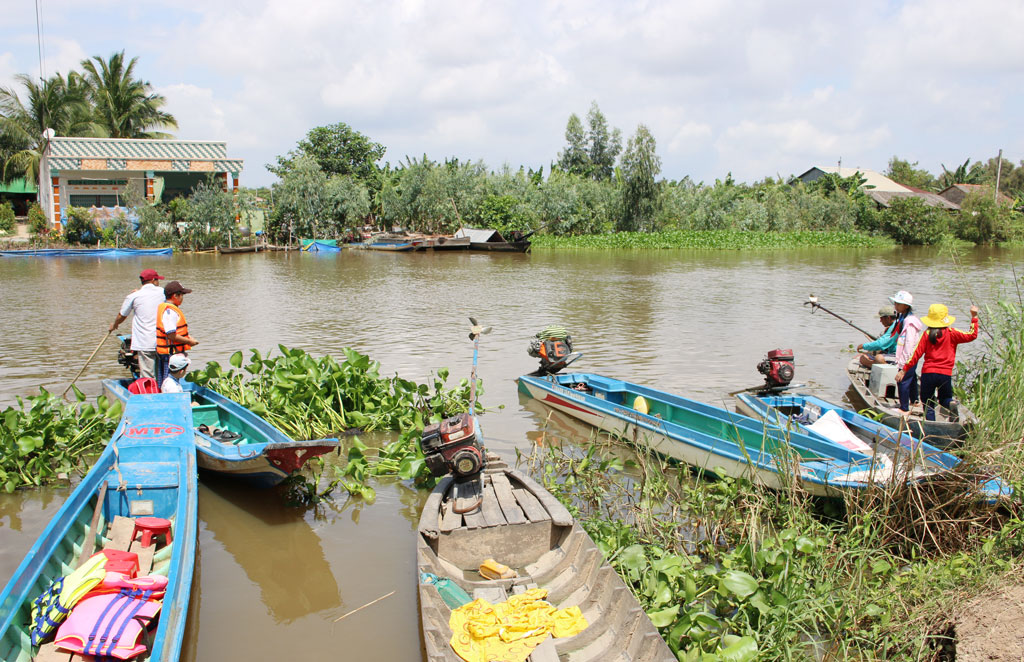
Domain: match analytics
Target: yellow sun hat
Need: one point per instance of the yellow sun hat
(938, 317)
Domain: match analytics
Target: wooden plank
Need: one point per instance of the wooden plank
(450, 520)
(145, 556)
(491, 511)
(50, 653)
(89, 544)
(493, 594)
(506, 500)
(531, 507)
(475, 519)
(121, 531)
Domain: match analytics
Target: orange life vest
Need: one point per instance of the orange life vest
(163, 344)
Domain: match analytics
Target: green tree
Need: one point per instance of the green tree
(908, 174)
(348, 203)
(575, 158)
(339, 150)
(210, 216)
(640, 167)
(911, 221)
(963, 174)
(301, 200)
(57, 103)
(124, 106)
(604, 146)
(984, 220)
(6, 217)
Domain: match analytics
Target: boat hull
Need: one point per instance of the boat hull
(500, 246)
(267, 457)
(521, 525)
(149, 468)
(709, 438)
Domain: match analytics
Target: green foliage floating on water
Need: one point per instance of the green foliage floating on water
(711, 240)
(310, 398)
(45, 437)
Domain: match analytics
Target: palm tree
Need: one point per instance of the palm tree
(57, 103)
(962, 175)
(124, 106)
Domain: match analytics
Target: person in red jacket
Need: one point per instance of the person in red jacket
(938, 347)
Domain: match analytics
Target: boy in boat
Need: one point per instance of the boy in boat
(874, 351)
(176, 365)
(172, 330)
(143, 304)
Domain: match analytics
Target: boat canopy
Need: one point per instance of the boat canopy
(479, 236)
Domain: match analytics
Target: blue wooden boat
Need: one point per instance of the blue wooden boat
(87, 252)
(254, 451)
(719, 441)
(148, 468)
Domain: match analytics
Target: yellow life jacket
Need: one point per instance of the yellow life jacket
(53, 606)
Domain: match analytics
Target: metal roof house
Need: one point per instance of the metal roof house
(97, 172)
(880, 188)
(957, 192)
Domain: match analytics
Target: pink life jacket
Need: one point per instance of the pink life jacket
(109, 624)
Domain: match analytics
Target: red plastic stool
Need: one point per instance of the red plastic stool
(152, 526)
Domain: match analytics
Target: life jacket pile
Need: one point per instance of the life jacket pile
(97, 612)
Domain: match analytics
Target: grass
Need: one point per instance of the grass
(711, 240)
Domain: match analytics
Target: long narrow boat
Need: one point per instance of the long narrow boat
(716, 440)
(521, 525)
(86, 252)
(148, 468)
(234, 250)
(948, 430)
(257, 452)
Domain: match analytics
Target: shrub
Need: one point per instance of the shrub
(80, 226)
(911, 221)
(36, 219)
(6, 217)
(983, 220)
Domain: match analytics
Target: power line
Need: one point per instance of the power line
(39, 39)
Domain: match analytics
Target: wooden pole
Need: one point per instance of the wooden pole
(87, 361)
(999, 171)
(364, 606)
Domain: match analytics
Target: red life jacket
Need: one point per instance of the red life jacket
(143, 385)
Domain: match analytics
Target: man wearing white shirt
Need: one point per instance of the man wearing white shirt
(143, 302)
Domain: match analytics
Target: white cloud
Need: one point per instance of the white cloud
(757, 89)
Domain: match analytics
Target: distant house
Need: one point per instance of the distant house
(880, 188)
(97, 172)
(20, 193)
(957, 192)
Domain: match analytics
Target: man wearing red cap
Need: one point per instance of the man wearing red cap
(143, 302)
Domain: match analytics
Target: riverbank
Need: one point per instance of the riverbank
(729, 240)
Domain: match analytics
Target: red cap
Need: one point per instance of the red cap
(150, 274)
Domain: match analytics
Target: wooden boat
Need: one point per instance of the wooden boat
(947, 431)
(261, 455)
(395, 244)
(713, 439)
(87, 252)
(446, 243)
(148, 468)
(492, 241)
(521, 525)
(234, 250)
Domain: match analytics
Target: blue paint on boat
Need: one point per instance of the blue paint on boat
(150, 458)
(87, 252)
(264, 457)
(712, 438)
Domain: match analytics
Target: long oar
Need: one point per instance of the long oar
(87, 361)
(812, 301)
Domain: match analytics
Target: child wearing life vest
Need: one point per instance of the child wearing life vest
(938, 348)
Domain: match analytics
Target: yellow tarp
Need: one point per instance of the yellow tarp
(510, 630)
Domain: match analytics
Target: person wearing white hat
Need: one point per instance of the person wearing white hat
(176, 365)
(908, 328)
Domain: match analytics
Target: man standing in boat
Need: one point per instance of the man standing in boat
(172, 335)
(143, 304)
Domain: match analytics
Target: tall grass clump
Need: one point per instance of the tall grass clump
(712, 240)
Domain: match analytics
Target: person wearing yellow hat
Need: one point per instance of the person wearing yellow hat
(938, 348)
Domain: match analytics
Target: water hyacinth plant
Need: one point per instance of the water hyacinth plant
(46, 438)
(314, 398)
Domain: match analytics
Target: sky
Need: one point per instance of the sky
(755, 89)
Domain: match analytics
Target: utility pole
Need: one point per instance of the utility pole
(999, 171)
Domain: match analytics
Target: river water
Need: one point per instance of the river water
(270, 579)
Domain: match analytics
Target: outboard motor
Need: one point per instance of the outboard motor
(553, 346)
(778, 369)
(126, 357)
(453, 446)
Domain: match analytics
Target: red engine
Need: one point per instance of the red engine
(778, 368)
(453, 446)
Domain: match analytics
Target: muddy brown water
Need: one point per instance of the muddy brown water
(270, 579)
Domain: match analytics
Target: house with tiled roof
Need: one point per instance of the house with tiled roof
(880, 188)
(97, 172)
(957, 192)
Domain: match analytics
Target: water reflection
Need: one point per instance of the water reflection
(274, 545)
